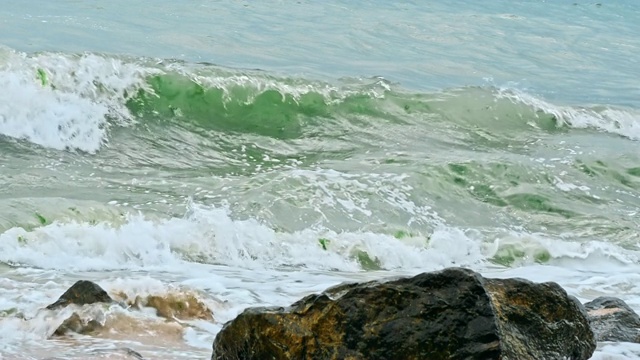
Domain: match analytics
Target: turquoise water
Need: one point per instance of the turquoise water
(253, 153)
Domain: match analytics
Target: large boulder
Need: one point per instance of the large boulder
(450, 314)
(613, 320)
(81, 293)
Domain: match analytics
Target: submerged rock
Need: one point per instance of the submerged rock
(81, 293)
(450, 314)
(171, 306)
(179, 306)
(77, 324)
(612, 319)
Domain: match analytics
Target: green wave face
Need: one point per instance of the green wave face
(268, 113)
(244, 108)
(284, 108)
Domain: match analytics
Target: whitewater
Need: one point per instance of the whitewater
(251, 154)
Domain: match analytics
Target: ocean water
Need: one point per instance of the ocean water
(249, 154)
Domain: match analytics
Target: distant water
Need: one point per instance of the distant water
(251, 154)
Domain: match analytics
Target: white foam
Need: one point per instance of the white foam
(586, 255)
(211, 235)
(70, 103)
(258, 83)
(616, 121)
(617, 351)
(564, 186)
(351, 195)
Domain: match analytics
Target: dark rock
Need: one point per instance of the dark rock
(612, 319)
(81, 293)
(451, 314)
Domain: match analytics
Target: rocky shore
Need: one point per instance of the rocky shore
(451, 314)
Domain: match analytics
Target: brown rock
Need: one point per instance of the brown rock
(78, 325)
(180, 306)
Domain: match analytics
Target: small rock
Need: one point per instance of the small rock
(179, 306)
(612, 319)
(171, 306)
(76, 324)
(81, 293)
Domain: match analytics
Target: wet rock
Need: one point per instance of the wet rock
(450, 314)
(173, 305)
(81, 293)
(179, 306)
(612, 319)
(75, 323)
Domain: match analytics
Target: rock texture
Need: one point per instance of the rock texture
(75, 323)
(179, 306)
(613, 320)
(451, 314)
(81, 293)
